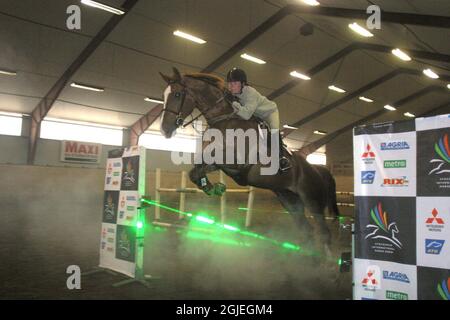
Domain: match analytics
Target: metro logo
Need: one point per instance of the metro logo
(394, 295)
(395, 164)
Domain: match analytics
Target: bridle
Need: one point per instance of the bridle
(179, 121)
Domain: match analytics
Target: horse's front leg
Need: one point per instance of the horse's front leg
(198, 176)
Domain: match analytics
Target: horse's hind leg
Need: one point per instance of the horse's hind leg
(294, 205)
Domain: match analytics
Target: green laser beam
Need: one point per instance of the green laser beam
(202, 218)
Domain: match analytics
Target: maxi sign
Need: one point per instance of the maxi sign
(80, 152)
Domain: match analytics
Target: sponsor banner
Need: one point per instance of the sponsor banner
(433, 158)
(385, 164)
(128, 204)
(113, 173)
(132, 151)
(402, 210)
(124, 185)
(80, 152)
(126, 243)
(382, 280)
(431, 123)
(433, 283)
(130, 173)
(110, 206)
(433, 232)
(386, 127)
(108, 252)
(116, 153)
(385, 229)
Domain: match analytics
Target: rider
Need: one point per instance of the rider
(251, 102)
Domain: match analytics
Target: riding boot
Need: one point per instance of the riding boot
(206, 186)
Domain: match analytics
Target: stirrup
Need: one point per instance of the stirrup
(288, 164)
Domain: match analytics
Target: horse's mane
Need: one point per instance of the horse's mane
(209, 78)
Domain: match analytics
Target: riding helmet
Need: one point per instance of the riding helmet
(237, 74)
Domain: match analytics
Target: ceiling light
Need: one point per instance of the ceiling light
(409, 115)
(360, 30)
(448, 86)
(86, 87)
(312, 2)
(430, 73)
(253, 59)
(8, 72)
(289, 127)
(11, 114)
(337, 89)
(188, 36)
(153, 100)
(299, 75)
(320, 132)
(400, 54)
(390, 108)
(365, 99)
(84, 123)
(102, 6)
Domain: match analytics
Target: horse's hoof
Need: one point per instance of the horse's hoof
(219, 189)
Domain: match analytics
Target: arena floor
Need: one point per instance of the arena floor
(188, 267)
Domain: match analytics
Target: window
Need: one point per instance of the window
(78, 131)
(10, 124)
(317, 158)
(181, 143)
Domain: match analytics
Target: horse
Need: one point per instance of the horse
(392, 228)
(303, 186)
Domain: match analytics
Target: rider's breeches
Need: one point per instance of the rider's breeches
(274, 120)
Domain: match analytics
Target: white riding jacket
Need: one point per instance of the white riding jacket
(252, 102)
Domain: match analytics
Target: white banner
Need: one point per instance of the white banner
(80, 152)
(124, 185)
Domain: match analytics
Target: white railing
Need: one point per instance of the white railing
(182, 190)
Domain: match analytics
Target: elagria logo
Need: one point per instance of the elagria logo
(398, 145)
(368, 156)
(442, 149)
(443, 289)
(382, 229)
(396, 276)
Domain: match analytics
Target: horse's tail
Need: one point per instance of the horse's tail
(332, 199)
(330, 191)
(330, 183)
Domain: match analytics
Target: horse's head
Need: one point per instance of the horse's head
(178, 104)
(393, 227)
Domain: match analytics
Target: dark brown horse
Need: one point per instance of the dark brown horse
(304, 186)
